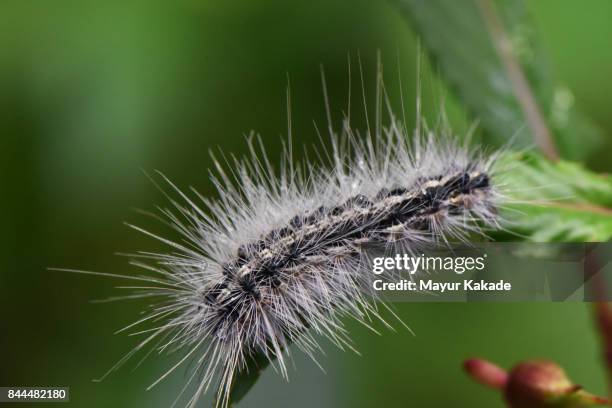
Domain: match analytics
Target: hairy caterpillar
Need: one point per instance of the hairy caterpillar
(281, 257)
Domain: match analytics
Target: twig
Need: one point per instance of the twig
(601, 309)
(580, 207)
(522, 90)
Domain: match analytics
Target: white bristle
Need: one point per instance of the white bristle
(279, 258)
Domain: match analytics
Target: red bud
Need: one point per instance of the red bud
(536, 384)
(486, 373)
(533, 384)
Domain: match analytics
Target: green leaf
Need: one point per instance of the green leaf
(555, 202)
(246, 378)
(457, 36)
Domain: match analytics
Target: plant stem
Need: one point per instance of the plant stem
(522, 90)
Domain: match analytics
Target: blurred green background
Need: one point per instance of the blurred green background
(94, 92)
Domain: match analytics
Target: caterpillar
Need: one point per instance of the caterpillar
(282, 257)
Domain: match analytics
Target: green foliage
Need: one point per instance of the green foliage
(457, 39)
(246, 379)
(560, 202)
